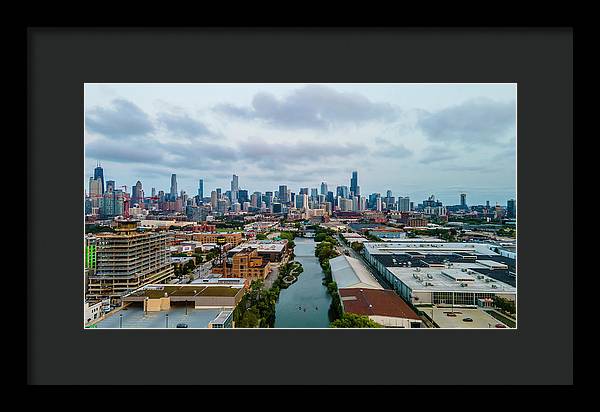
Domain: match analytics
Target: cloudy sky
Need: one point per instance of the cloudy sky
(413, 139)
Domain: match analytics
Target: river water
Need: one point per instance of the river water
(307, 293)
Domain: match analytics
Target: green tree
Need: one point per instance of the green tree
(250, 319)
(351, 320)
(357, 246)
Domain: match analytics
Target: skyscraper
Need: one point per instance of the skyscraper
(268, 199)
(201, 189)
(242, 196)
(403, 204)
(136, 193)
(354, 188)
(99, 174)
(342, 191)
(95, 191)
(511, 211)
(173, 191)
(234, 188)
(283, 197)
(213, 199)
(323, 188)
(110, 186)
(314, 193)
(463, 200)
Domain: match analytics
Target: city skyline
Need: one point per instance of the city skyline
(413, 139)
(331, 188)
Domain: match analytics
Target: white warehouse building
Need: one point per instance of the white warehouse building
(462, 274)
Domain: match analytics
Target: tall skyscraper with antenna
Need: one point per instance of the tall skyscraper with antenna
(99, 174)
(354, 187)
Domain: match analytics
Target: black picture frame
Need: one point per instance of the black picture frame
(540, 60)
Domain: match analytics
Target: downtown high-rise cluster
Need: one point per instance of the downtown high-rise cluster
(107, 200)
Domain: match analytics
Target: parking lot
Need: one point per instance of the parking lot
(135, 318)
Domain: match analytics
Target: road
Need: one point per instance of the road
(271, 277)
(202, 270)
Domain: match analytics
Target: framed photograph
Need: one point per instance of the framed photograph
(330, 205)
(318, 195)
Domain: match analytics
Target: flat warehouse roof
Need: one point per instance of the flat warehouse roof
(435, 280)
(192, 290)
(429, 247)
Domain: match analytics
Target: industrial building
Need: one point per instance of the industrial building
(349, 272)
(246, 263)
(160, 297)
(441, 273)
(270, 250)
(361, 293)
(380, 305)
(232, 237)
(127, 259)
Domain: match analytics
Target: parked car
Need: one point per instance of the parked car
(500, 325)
(467, 320)
(182, 325)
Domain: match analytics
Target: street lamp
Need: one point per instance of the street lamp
(120, 320)
(167, 320)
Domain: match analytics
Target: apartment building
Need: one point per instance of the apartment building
(128, 259)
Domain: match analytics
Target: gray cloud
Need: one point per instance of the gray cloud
(311, 107)
(388, 149)
(123, 119)
(183, 125)
(506, 154)
(472, 168)
(437, 154)
(193, 156)
(259, 150)
(123, 153)
(476, 121)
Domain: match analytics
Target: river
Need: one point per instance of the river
(308, 293)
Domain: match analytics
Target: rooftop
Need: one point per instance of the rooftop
(474, 256)
(349, 272)
(447, 280)
(190, 290)
(262, 246)
(376, 302)
(222, 317)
